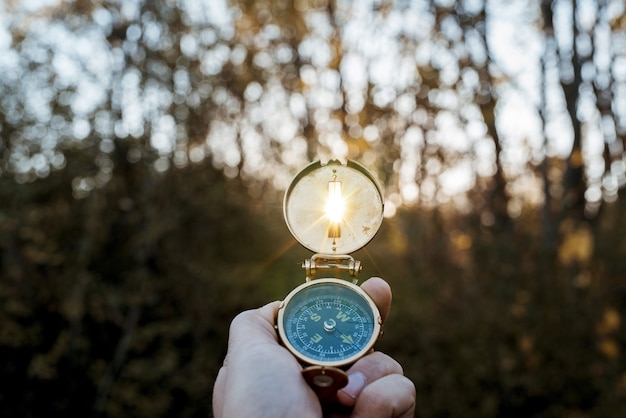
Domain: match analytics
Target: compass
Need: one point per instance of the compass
(328, 322)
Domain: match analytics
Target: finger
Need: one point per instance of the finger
(380, 292)
(392, 396)
(368, 369)
(253, 350)
(253, 325)
(218, 392)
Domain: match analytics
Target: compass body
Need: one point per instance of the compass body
(329, 322)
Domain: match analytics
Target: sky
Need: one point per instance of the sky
(371, 55)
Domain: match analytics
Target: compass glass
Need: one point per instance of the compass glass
(329, 322)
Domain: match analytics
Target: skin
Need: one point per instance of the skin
(261, 378)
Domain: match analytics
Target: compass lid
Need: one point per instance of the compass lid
(333, 208)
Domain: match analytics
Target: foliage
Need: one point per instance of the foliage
(497, 327)
(144, 146)
(119, 306)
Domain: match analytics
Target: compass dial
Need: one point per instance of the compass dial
(329, 322)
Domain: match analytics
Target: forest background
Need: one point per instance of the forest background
(145, 147)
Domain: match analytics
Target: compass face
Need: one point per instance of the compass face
(328, 322)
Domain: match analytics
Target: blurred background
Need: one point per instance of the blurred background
(145, 147)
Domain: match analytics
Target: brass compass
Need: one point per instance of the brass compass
(328, 323)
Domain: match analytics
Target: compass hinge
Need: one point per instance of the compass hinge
(327, 262)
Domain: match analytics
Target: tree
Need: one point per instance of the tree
(145, 145)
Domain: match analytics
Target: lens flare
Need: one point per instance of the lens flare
(335, 205)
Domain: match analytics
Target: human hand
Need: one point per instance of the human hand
(260, 378)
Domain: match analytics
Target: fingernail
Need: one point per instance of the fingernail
(356, 383)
